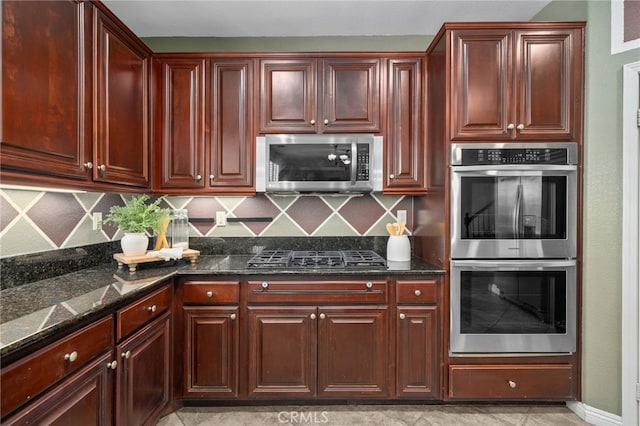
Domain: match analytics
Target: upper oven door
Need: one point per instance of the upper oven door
(526, 211)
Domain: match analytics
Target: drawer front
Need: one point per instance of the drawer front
(23, 380)
(204, 292)
(141, 312)
(540, 382)
(416, 291)
(357, 291)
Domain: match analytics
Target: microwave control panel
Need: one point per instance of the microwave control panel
(363, 162)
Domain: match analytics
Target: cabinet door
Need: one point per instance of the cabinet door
(405, 143)
(142, 387)
(353, 352)
(288, 97)
(232, 138)
(121, 146)
(83, 399)
(417, 352)
(548, 84)
(181, 118)
(282, 352)
(45, 74)
(350, 95)
(481, 78)
(211, 367)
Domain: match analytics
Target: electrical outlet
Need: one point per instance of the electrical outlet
(402, 216)
(221, 218)
(97, 221)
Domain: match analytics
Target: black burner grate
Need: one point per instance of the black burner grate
(320, 259)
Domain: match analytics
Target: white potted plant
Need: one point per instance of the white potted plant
(136, 218)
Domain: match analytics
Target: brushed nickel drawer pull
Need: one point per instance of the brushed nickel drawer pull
(152, 309)
(418, 293)
(512, 384)
(126, 355)
(209, 294)
(402, 316)
(112, 365)
(322, 316)
(312, 316)
(71, 357)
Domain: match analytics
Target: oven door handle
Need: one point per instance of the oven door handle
(495, 170)
(497, 265)
(516, 212)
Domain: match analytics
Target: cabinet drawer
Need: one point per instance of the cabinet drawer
(541, 382)
(416, 291)
(211, 292)
(24, 379)
(374, 291)
(141, 312)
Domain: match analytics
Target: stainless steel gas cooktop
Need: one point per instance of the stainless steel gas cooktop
(322, 259)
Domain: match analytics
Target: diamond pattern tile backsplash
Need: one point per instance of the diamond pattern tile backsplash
(33, 221)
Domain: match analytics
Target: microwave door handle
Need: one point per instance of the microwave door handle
(354, 162)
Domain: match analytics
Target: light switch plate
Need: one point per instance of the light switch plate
(221, 218)
(97, 221)
(402, 216)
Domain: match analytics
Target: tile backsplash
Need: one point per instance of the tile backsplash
(33, 221)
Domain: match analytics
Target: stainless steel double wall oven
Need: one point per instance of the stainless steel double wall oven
(513, 248)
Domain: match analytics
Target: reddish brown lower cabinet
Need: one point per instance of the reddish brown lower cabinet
(143, 380)
(417, 352)
(211, 351)
(83, 399)
(326, 351)
(282, 352)
(511, 382)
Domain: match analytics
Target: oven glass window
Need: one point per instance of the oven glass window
(513, 207)
(513, 302)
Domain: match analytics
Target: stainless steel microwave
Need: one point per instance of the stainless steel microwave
(343, 163)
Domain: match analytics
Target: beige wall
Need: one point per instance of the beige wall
(602, 209)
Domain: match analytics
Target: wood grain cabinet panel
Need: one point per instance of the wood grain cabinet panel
(511, 84)
(232, 137)
(417, 352)
(405, 143)
(506, 382)
(211, 368)
(282, 352)
(141, 312)
(206, 292)
(85, 398)
(46, 73)
(180, 123)
(23, 380)
(353, 349)
(320, 95)
(121, 146)
(143, 380)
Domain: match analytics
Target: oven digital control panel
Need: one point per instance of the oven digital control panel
(478, 156)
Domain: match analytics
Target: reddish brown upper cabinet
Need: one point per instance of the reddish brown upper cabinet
(121, 117)
(405, 141)
(320, 95)
(516, 84)
(75, 97)
(204, 125)
(46, 82)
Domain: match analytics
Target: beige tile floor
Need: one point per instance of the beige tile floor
(375, 415)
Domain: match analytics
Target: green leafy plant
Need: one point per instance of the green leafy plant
(137, 215)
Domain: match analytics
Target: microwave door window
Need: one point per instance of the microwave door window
(310, 163)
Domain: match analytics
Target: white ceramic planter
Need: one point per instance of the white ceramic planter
(134, 243)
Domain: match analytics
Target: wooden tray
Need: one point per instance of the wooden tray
(133, 261)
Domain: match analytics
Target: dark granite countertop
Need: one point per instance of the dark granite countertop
(37, 310)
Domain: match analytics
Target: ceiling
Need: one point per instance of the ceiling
(295, 18)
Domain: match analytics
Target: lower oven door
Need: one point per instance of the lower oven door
(513, 306)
